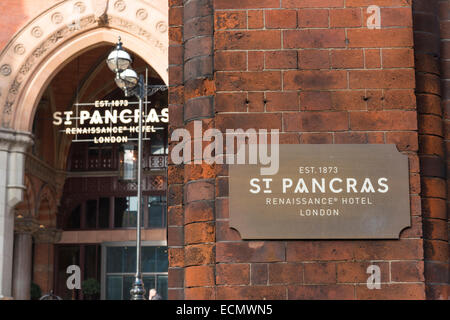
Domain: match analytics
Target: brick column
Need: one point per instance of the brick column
(191, 231)
(432, 149)
(199, 179)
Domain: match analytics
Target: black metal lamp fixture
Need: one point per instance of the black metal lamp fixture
(119, 61)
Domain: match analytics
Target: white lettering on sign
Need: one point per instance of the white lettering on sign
(315, 185)
(96, 117)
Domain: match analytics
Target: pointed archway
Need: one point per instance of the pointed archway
(36, 53)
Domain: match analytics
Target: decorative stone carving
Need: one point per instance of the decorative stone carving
(5, 70)
(161, 26)
(38, 168)
(100, 8)
(47, 235)
(141, 14)
(19, 49)
(57, 18)
(135, 29)
(25, 225)
(36, 32)
(36, 54)
(120, 5)
(79, 7)
(28, 54)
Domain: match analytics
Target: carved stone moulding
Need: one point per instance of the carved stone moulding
(120, 5)
(57, 18)
(5, 70)
(161, 27)
(25, 225)
(19, 49)
(37, 32)
(47, 235)
(142, 14)
(52, 27)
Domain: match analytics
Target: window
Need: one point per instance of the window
(118, 212)
(92, 157)
(159, 144)
(156, 211)
(119, 268)
(125, 212)
(73, 221)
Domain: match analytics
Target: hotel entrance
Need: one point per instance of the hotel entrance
(97, 212)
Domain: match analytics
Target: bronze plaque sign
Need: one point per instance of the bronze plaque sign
(323, 192)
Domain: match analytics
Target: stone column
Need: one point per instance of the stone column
(24, 228)
(13, 145)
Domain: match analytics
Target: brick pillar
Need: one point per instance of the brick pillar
(199, 179)
(432, 149)
(191, 233)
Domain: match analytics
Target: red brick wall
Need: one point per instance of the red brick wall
(313, 70)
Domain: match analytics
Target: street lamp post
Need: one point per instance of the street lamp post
(119, 61)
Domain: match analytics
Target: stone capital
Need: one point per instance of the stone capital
(25, 225)
(15, 141)
(47, 235)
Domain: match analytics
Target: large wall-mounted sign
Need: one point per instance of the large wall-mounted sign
(323, 192)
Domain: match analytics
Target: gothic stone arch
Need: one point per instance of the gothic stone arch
(50, 40)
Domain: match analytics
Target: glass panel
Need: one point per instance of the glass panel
(162, 286)
(91, 214)
(127, 284)
(148, 259)
(103, 213)
(74, 219)
(162, 261)
(157, 144)
(113, 287)
(123, 260)
(125, 210)
(129, 254)
(128, 169)
(120, 206)
(114, 260)
(156, 211)
(132, 211)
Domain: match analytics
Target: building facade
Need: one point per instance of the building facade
(319, 71)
